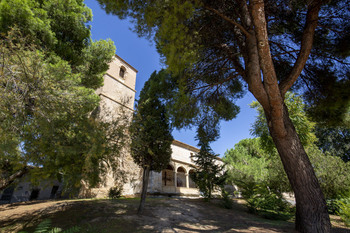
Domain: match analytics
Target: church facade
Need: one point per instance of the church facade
(176, 178)
(119, 92)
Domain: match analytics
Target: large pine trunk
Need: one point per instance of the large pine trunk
(145, 178)
(311, 208)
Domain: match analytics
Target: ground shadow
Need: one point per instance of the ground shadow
(160, 215)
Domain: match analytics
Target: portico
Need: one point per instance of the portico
(175, 179)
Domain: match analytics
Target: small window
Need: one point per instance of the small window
(192, 157)
(122, 72)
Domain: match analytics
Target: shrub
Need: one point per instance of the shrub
(344, 211)
(333, 206)
(269, 204)
(115, 192)
(226, 199)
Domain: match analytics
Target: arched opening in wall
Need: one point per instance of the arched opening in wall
(181, 177)
(191, 182)
(168, 176)
(122, 72)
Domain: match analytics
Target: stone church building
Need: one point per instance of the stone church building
(117, 97)
(119, 92)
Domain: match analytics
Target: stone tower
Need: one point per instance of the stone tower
(119, 85)
(117, 97)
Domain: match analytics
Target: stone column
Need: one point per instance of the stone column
(187, 181)
(175, 178)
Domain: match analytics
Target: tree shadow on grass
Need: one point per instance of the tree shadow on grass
(199, 216)
(160, 215)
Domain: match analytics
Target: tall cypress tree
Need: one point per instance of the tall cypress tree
(151, 137)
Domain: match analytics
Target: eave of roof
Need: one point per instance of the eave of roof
(189, 147)
(186, 146)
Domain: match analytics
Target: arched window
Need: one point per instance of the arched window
(191, 182)
(122, 71)
(168, 176)
(181, 177)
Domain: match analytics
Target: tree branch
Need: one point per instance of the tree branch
(267, 67)
(6, 182)
(251, 59)
(245, 32)
(305, 47)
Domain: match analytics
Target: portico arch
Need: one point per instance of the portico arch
(181, 177)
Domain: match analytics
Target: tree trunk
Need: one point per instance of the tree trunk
(311, 208)
(145, 178)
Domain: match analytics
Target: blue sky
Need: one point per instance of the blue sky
(141, 54)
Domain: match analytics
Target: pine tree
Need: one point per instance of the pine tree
(219, 47)
(209, 174)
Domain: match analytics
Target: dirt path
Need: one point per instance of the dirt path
(161, 215)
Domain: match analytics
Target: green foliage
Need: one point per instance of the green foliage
(269, 204)
(248, 164)
(115, 192)
(150, 131)
(227, 201)
(303, 125)
(30, 17)
(151, 135)
(95, 59)
(260, 177)
(196, 41)
(45, 227)
(46, 117)
(60, 27)
(333, 173)
(209, 173)
(49, 70)
(344, 212)
(332, 206)
(247, 161)
(334, 140)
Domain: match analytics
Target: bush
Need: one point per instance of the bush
(115, 192)
(333, 206)
(344, 211)
(226, 199)
(269, 204)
